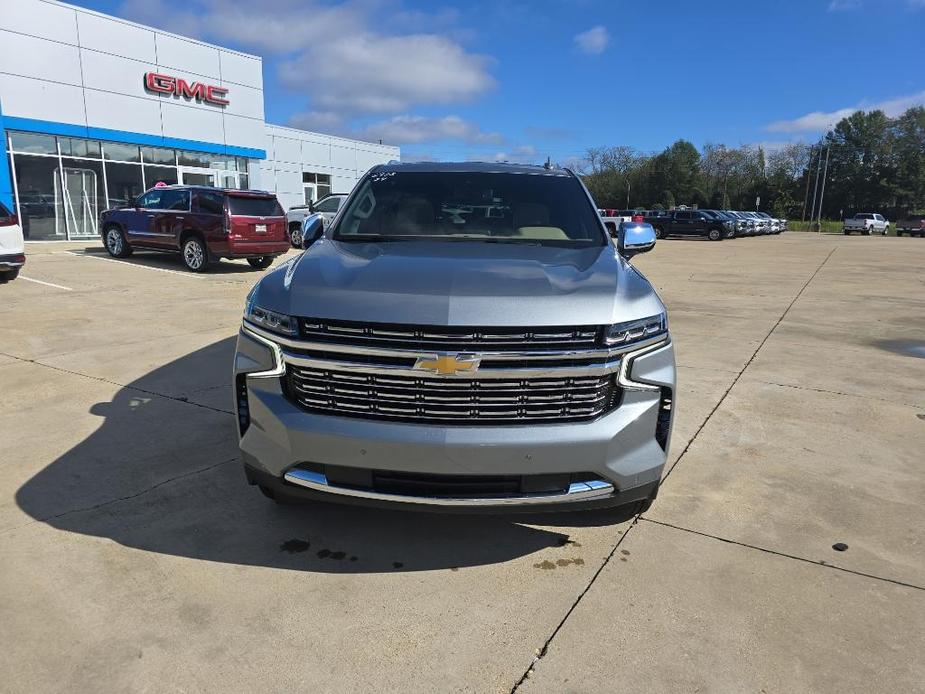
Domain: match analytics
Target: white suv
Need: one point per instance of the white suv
(12, 249)
(327, 207)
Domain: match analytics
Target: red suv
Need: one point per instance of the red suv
(202, 224)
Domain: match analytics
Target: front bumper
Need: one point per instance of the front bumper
(614, 459)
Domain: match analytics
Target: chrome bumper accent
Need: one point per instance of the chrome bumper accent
(577, 491)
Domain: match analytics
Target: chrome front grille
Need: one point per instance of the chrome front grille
(454, 400)
(458, 339)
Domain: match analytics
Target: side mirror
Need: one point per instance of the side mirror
(635, 238)
(312, 229)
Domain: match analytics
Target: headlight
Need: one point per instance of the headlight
(637, 330)
(270, 320)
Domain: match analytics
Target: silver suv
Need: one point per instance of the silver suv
(461, 336)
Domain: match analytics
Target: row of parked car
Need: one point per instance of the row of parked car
(714, 225)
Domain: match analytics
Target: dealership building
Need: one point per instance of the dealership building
(94, 110)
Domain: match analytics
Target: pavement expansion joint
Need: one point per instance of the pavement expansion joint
(128, 497)
(785, 555)
(541, 652)
(175, 398)
(747, 364)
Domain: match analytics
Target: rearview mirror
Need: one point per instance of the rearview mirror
(312, 229)
(635, 238)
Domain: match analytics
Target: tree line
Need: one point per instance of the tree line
(868, 162)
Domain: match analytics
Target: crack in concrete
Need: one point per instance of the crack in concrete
(816, 562)
(545, 649)
(175, 398)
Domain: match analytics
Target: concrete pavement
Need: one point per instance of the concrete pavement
(137, 559)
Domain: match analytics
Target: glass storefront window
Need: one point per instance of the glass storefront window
(160, 174)
(200, 159)
(73, 147)
(117, 151)
(125, 184)
(40, 209)
(159, 155)
(33, 143)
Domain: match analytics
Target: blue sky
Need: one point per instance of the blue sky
(522, 80)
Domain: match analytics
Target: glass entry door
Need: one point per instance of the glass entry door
(77, 199)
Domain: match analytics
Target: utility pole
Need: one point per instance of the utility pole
(825, 172)
(627, 193)
(812, 213)
(809, 169)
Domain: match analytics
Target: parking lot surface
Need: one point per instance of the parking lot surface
(135, 557)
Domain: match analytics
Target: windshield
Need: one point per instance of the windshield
(471, 206)
(249, 206)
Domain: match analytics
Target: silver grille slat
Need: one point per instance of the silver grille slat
(459, 401)
(414, 337)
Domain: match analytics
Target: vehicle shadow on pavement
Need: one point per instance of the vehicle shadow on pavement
(172, 261)
(162, 474)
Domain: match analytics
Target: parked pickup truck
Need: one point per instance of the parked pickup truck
(866, 223)
(691, 223)
(327, 207)
(463, 336)
(914, 225)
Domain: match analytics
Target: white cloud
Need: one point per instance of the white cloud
(843, 5)
(818, 121)
(367, 73)
(593, 41)
(407, 129)
(350, 59)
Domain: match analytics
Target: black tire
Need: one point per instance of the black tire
(715, 234)
(115, 242)
(9, 276)
(195, 254)
(295, 235)
(659, 233)
(846, 232)
(261, 263)
(866, 232)
(731, 234)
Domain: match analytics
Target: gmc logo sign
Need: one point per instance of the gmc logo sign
(165, 84)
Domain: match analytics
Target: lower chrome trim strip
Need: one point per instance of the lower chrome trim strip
(577, 491)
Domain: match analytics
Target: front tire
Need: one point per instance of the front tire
(659, 233)
(195, 254)
(295, 235)
(116, 245)
(261, 263)
(715, 235)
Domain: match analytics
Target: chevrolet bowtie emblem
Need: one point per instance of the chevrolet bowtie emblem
(448, 364)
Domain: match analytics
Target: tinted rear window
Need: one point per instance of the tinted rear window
(472, 206)
(3, 211)
(254, 207)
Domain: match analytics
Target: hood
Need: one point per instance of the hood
(459, 283)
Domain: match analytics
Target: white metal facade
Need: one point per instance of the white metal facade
(73, 72)
(293, 155)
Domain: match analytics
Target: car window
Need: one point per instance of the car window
(151, 200)
(865, 216)
(3, 211)
(878, 217)
(249, 206)
(471, 206)
(176, 200)
(683, 215)
(211, 203)
(328, 205)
